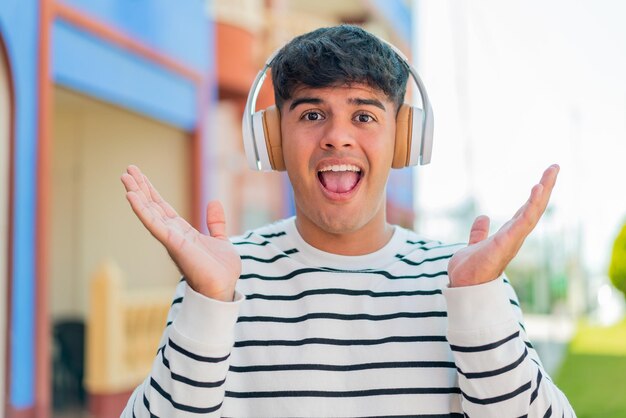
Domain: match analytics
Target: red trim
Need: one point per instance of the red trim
(44, 157)
(196, 170)
(9, 255)
(115, 36)
(20, 413)
(108, 405)
(196, 156)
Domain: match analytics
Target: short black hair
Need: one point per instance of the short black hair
(338, 55)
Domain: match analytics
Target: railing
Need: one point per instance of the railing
(123, 332)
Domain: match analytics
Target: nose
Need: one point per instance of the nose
(337, 135)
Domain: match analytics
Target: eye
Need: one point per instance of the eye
(312, 116)
(364, 118)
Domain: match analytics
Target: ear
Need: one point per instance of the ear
(273, 139)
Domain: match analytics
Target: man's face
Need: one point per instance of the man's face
(338, 145)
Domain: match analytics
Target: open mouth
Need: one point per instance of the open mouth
(340, 178)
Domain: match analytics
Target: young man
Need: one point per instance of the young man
(344, 314)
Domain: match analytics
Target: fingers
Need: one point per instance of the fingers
(494, 253)
(548, 180)
(480, 230)
(215, 220)
(129, 183)
(539, 197)
(131, 180)
(156, 198)
(148, 217)
(540, 193)
(140, 196)
(159, 218)
(138, 177)
(527, 217)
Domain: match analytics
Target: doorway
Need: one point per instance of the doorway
(92, 223)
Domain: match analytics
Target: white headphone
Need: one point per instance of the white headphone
(262, 136)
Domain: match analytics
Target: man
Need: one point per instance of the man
(345, 315)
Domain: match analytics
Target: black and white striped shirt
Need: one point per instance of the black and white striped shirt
(314, 334)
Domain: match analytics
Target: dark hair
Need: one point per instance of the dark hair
(338, 55)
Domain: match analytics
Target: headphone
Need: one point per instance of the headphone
(262, 137)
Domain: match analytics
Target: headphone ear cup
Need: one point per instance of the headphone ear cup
(273, 139)
(404, 127)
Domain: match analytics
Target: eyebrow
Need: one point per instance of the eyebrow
(370, 102)
(355, 101)
(299, 101)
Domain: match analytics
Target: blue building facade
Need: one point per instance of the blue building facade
(151, 57)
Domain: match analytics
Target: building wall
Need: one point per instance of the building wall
(93, 143)
(250, 199)
(176, 28)
(144, 56)
(99, 54)
(83, 61)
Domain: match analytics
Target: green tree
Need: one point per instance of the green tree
(617, 269)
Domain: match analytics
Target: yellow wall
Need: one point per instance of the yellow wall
(5, 118)
(91, 220)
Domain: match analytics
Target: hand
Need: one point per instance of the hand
(485, 258)
(210, 263)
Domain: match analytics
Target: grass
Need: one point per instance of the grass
(593, 374)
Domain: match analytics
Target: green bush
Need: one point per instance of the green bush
(617, 269)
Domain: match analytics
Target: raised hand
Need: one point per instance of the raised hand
(486, 257)
(209, 262)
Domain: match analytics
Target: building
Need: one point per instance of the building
(88, 87)
(92, 86)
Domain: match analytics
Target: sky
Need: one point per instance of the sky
(516, 86)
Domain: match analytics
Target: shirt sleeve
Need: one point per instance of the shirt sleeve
(499, 371)
(189, 370)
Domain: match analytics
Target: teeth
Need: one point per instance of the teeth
(342, 167)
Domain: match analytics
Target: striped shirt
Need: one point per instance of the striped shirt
(314, 334)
